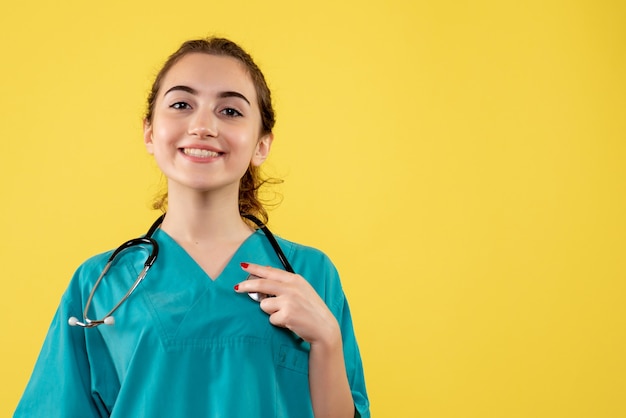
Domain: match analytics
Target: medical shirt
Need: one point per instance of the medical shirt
(184, 345)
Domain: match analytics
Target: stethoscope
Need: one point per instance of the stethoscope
(147, 240)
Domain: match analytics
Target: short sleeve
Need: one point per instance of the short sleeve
(334, 296)
(354, 364)
(60, 384)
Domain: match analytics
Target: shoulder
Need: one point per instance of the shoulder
(317, 268)
(85, 275)
(93, 263)
(303, 252)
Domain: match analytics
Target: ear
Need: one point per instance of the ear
(262, 150)
(147, 136)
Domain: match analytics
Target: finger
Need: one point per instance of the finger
(269, 287)
(266, 272)
(278, 319)
(270, 305)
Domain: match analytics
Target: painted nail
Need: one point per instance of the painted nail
(244, 265)
(236, 287)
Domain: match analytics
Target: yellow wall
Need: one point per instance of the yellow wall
(462, 162)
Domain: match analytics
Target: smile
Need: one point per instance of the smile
(202, 153)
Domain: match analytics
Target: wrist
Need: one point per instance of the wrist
(328, 341)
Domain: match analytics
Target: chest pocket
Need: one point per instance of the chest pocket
(293, 359)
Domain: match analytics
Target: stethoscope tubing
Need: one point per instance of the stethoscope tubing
(148, 240)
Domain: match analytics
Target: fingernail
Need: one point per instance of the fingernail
(244, 265)
(236, 287)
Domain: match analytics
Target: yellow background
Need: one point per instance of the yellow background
(463, 163)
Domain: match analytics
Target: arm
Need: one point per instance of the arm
(330, 391)
(299, 308)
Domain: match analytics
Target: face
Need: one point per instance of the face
(206, 124)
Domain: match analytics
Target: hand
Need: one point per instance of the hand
(296, 305)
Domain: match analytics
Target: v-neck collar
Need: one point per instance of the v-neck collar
(172, 244)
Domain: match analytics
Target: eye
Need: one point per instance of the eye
(230, 112)
(180, 106)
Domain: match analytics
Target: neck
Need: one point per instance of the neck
(202, 218)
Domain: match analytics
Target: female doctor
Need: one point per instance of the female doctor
(190, 341)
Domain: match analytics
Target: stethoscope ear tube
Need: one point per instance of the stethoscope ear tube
(108, 318)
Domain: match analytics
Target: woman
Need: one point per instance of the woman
(191, 341)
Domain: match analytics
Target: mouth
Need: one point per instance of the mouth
(201, 153)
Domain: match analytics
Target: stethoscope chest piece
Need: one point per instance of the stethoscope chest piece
(257, 296)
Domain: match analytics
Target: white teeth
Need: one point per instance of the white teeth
(195, 152)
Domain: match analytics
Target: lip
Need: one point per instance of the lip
(202, 153)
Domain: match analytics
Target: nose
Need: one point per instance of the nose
(203, 124)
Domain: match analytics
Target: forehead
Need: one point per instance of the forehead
(210, 73)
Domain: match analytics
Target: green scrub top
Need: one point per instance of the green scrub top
(184, 345)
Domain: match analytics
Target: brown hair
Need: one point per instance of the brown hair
(249, 202)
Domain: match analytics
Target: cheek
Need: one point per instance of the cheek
(164, 132)
(244, 138)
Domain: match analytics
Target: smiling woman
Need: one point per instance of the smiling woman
(204, 133)
(251, 181)
(188, 341)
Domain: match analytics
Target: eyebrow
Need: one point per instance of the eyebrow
(222, 94)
